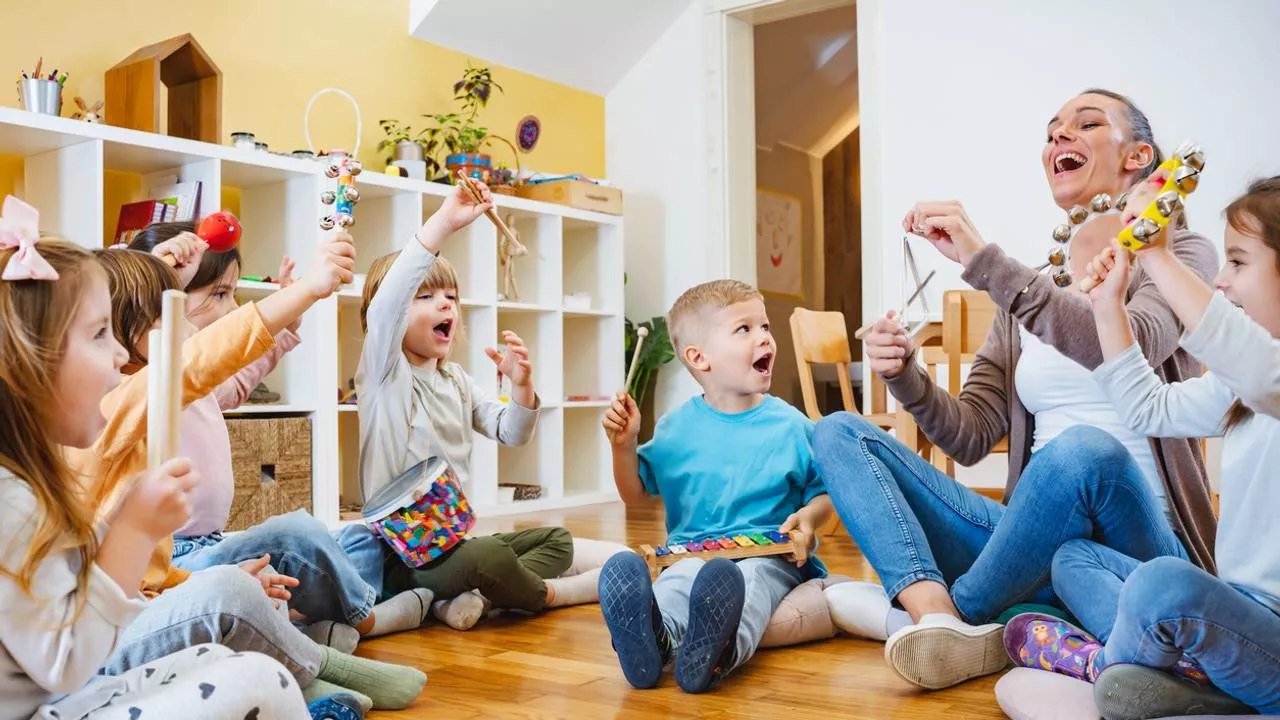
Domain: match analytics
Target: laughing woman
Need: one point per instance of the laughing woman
(953, 559)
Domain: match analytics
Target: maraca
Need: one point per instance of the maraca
(220, 230)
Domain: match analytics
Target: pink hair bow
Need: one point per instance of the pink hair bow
(20, 228)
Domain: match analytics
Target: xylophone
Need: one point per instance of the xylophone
(760, 544)
(422, 513)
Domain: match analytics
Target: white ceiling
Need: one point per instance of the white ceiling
(807, 80)
(585, 44)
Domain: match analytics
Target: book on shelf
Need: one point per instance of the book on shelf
(176, 202)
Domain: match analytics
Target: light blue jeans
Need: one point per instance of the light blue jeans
(330, 586)
(913, 523)
(1153, 613)
(767, 579)
(221, 605)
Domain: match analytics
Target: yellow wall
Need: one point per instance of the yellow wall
(274, 54)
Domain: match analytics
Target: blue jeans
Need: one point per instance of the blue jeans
(768, 580)
(330, 586)
(1165, 608)
(913, 523)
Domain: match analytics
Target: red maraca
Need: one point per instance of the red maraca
(221, 230)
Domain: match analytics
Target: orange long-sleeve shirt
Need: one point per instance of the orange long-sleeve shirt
(209, 358)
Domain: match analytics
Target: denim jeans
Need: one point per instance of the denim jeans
(1165, 608)
(913, 523)
(768, 580)
(330, 586)
(222, 605)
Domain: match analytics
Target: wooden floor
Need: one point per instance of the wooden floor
(560, 665)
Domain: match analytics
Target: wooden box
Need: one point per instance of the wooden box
(576, 193)
(271, 461)
(135, 85)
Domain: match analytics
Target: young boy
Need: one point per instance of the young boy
(733, 461)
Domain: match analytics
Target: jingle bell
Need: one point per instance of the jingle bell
(1077, 215)
(355, 167)
(1144, 229)
(350, 194)
(1193, 157)
(332, 171)
(328, 197)
(1168, 203)
(1101, 203)
(1122, 201)
(1187, 178)
(345, 220)
(1062, 278)
(327, 222)
(1062, 233)
(1057, 257)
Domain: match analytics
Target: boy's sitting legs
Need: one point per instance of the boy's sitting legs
(708, 617)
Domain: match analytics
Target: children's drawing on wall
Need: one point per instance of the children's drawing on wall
(779, 244)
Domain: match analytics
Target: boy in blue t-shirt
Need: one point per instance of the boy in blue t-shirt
(734, 461)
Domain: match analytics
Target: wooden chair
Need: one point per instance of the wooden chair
(967, 316)
(822, 338)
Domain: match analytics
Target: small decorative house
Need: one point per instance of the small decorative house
(133, 89)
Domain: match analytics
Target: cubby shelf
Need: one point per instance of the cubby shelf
(79, 174)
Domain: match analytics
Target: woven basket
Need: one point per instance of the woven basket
(271, 461)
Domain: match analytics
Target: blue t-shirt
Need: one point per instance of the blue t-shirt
(723, 475)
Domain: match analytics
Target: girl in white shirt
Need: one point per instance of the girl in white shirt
(67, 588)
(1166, 629)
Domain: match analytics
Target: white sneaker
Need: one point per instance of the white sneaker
(860, 609)
(942, 650)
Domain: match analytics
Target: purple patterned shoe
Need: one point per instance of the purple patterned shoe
(1044, 642)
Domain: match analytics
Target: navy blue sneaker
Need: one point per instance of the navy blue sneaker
(339, 706)
(715, 609)
(635, 624)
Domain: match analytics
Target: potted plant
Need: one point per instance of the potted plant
(656, 352)
(401, 142)
(458, 134)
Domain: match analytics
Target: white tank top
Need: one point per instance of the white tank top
(1061, 393)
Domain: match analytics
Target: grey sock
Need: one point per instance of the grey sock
(461, 612)
(406, 611)
(338, 636)
(576, 589)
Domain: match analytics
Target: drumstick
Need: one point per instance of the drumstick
(493, 216)
(641, 333)
(164, 387)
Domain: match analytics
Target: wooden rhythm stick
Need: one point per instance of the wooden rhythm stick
(493, 216)
(734, 548)
(641, 333)
(164, 386)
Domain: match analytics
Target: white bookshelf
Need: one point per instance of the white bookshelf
(77, 173)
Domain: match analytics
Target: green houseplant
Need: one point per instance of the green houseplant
(457, 132)
(402, 143)
(656, 352)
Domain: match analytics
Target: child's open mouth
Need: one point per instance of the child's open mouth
(764, 365)
(443, 330)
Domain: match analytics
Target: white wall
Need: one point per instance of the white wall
(655, 148)
(955, 98)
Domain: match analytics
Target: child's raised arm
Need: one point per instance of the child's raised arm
(622, 423)
(387, 318)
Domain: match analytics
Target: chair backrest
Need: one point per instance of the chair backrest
(966, 320)
(821, 338)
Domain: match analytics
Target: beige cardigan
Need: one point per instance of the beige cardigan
(968, 427)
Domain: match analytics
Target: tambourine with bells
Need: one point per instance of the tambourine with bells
(1183, 170)
(344, 169)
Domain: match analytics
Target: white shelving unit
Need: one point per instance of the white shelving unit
(77, 174)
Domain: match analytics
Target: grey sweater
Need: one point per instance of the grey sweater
(407, 413)
(968, 427)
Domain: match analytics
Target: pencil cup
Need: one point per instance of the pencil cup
(42, 96)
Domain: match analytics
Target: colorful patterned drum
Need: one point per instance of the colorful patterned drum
(422, 513)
